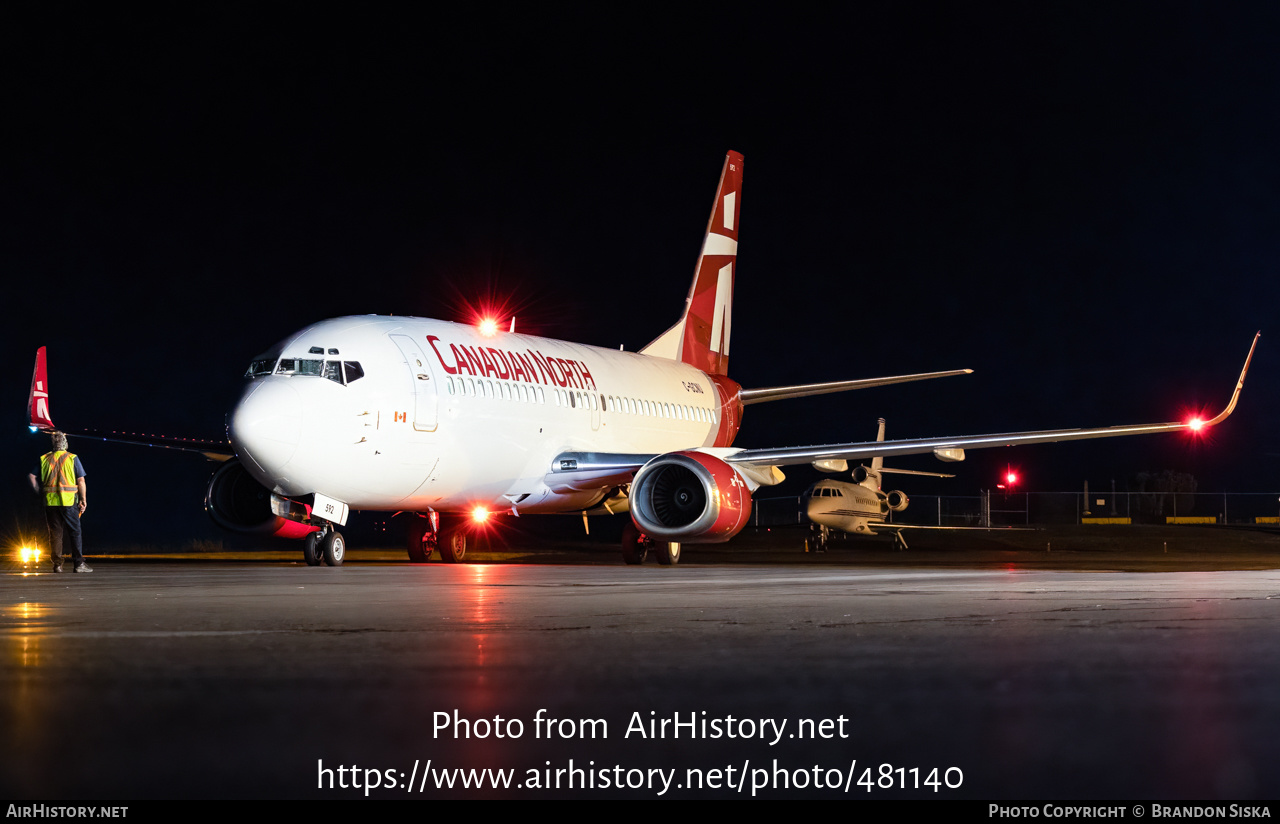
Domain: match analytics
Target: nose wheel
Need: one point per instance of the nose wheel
(818, 537)
(311, 549)
(333, 547)
(326, 546)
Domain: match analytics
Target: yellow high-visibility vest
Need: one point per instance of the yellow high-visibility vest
(58, 478)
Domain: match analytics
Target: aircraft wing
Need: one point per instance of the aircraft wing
(595, 470)
(213, 450)
(40, 421)
(942, 446)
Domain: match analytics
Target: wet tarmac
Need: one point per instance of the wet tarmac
(255, 677)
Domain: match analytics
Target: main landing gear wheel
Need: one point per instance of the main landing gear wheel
(668, 553)
(454, 547)
(333, 546)
(635, 547)
(311, 550)
(422, 541)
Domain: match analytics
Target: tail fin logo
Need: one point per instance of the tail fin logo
(38, 402)
(701, 337)
(42, 402)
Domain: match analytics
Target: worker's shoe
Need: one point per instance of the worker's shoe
(57, 568)
(84, 568)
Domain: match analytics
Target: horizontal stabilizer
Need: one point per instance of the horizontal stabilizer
(777, 393)
(213, 450)
(38, 406)
(884, 470)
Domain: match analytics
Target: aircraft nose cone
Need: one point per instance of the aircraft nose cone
(266, 425)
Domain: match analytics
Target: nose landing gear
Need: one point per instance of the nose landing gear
(311, 549)
(327, 546)
(819, 535)
(333, 547)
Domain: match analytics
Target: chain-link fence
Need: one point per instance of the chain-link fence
(1001, 509)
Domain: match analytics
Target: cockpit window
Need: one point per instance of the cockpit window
(260, 367)
(333, 370)
(300, 366)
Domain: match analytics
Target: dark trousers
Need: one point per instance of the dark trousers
(64, 521)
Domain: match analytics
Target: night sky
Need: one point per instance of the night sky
(1079, 202)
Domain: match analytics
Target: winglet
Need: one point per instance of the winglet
(38, 400)
(1235, 396)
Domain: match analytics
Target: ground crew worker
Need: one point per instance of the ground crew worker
(60, 480)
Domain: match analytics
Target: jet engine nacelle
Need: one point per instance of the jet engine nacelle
(690, 497)
(861, 473)
(897, 500)
(236, 502)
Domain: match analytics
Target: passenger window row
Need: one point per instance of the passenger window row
(504, 390)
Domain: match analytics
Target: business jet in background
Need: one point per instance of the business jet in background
(459, 423)
(861, 507)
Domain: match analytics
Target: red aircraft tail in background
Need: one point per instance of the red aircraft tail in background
(38, 402)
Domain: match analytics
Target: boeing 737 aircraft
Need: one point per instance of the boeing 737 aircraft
(455, 423)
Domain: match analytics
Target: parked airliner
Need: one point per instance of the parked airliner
(445, 419)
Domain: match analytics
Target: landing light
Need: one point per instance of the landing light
(479, 515)
(488, 327)
(29, 555)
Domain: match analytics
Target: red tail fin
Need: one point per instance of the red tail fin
(38, 401)
(701, 337)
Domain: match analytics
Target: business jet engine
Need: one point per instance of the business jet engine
(862, 473)
(690, 497)
(896, 500)
(238, 503)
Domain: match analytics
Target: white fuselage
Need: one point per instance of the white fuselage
(846, 506)
(437, 416)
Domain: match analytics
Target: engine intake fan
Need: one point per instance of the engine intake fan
(690, 497)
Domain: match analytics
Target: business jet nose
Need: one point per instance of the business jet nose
(266, 425)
